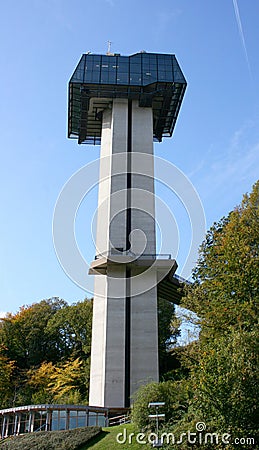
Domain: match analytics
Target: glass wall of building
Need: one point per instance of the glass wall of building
(34, 418)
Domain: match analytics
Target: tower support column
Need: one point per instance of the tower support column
(124, 335)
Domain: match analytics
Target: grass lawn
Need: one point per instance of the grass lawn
(80, 438)
(51, 440)
(107, 439)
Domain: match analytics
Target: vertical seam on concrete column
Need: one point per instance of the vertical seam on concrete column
(129, 183)
(127, 339)
(128, 271)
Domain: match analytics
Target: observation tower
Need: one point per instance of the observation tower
(124, 104)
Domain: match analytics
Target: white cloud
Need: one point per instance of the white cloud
(242, 156)
(2, 314)
(227, 164)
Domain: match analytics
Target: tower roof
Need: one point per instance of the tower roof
(155, 80)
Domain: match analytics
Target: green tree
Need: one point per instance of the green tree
(227, 274)
(223, 364)
(226, 381)
(168, 331)
(39, 339)
(24, 337)
(72, 328)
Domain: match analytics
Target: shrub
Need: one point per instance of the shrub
(175, 394)
(51, 440)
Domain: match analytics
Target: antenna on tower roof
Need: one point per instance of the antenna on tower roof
(109, 49)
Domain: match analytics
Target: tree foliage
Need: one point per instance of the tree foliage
(45, 351)
(72, 327)
(168, 331)
(227, 273)
(39, 345)
(6, 385)
(173, 394)
(24, 337)
(66, 382)
(223, 364)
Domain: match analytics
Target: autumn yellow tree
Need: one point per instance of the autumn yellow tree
(6, 384)
(66, 382)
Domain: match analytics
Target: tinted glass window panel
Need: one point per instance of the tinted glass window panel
(97, 59)
(112, 77)
(81, 421)
(89, 64)
(161, 75)
(90, 58)
(145, 64)
(101, 420)
(135, 57)
(168, 76)
(72, 419)
(54, 421)
(135, 67)
(72, 423)
(148, 79)
(108, 60)
(62, 423)
(177, 75)
(135, 79)
(79, 76)
(123, 60)
(92, 419)
(95, 78)
(123, 68)
(122, 78)
(104, 76)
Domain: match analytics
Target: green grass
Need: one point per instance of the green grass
(92, 438)
(51, 440)
(106, 440)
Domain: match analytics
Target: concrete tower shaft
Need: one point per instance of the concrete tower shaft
(124, 346)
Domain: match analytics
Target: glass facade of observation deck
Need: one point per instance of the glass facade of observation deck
(155, 80)
(140, 69)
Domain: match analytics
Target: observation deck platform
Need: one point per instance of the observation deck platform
(155, 80)
(169, 285)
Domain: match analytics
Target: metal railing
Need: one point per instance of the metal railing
(115, 252)
(181, 279)
(118, 420)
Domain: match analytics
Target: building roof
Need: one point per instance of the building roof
(155, 80)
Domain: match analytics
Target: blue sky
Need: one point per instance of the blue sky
(215, 143)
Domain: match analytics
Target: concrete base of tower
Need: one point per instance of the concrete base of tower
(108, 340)
(125, 327)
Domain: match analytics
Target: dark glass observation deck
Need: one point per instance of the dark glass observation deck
(155, 80)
